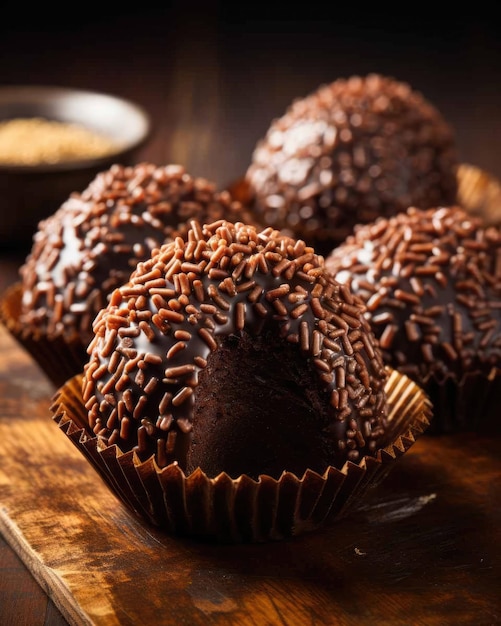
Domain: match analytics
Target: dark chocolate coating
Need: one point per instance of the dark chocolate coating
(431, 280)
(350, 152)
(96, 238)
(233, 350)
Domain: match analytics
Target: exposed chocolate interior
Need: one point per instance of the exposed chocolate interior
(259, 406)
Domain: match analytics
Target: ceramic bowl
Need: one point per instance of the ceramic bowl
(31, 190)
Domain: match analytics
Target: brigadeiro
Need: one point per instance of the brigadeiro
(234, 390)
(351, 151)
(431, 281)
(90, 245)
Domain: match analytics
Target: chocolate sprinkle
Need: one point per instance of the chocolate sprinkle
(258, 292)
(97, 237)
(432, 284)
(352, 151)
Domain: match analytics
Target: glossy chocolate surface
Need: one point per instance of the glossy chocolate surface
(97, 237)
(351, 151)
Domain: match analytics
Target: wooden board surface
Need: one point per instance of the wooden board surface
(424, 549)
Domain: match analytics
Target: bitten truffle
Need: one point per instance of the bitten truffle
(92, 243)
(349, 152)
(234, 351)
(431, 281)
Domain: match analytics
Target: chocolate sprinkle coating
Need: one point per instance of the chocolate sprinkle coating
(228, 340)
(352, 151)
(431, 281)
(91, 244)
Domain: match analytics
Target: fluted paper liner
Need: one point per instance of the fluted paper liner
(470, 404)
(242, 509)
(59, 357)
(479, 192)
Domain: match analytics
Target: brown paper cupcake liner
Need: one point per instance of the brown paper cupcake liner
(470, 405)
(58, 357)
(479, 192)
(242, 509)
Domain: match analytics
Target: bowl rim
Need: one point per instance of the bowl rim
(28, 94)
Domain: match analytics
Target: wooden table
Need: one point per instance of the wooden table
(427, 548)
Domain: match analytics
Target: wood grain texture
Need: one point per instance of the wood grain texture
(424, 549)
(22, 599)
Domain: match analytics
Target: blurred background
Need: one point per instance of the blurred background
(214, 74)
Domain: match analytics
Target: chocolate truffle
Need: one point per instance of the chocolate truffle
(349, 152)
(96, 238)
(431, 281)
(234, 351)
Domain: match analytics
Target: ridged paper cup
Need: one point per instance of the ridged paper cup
(58, 356)
(238, 510)
(479, 192)
(471, 404)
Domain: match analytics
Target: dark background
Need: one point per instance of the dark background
(214, 74)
